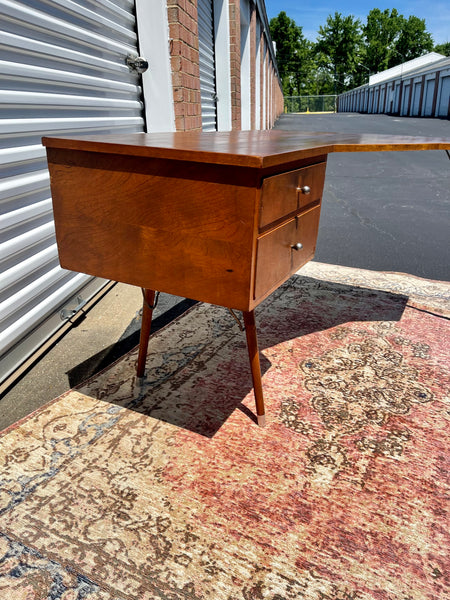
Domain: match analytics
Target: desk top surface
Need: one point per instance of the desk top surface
(257, 149)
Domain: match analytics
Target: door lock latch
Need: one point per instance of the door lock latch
(136, 63)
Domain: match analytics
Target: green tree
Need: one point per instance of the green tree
(340, 42)
(414, 40)
(318, 80)
(292, 51)
(346, 51)
(381, 31)
(443, 49)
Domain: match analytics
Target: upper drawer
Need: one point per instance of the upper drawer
(289, 192)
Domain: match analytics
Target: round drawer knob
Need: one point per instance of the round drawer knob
(305, 189)
(297, 246)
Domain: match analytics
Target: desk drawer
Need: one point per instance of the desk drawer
(290, 192)
(277, 256)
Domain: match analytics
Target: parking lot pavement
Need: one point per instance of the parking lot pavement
(385, 211)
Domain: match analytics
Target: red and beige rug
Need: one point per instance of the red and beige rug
(168, 490)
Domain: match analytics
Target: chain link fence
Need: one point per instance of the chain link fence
(305, 104)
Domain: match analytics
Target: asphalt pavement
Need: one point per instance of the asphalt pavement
(385, 211)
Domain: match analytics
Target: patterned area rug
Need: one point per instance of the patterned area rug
(169, 490)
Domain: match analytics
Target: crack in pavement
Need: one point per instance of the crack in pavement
(364, 221)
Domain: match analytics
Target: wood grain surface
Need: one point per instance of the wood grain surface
(260, 149)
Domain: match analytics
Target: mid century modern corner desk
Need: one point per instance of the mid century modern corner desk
(223, 218)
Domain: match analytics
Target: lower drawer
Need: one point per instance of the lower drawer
(283, 250)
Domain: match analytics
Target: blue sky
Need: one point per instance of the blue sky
(310, 15)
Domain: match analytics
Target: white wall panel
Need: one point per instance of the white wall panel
(223, 64)
(258, 76)
(245, 65)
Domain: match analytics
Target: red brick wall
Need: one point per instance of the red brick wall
(274, 101)
(183, 31)
(235, 63)
(278, 98)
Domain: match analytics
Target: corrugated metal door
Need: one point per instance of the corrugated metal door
(376, 96)
(415, 105)
(428, 97)
(371, 96)
(62, 72)
(396, 104)
(389, 94)
(382, 100)
(405, 99)
(207, 64)
(443, 103)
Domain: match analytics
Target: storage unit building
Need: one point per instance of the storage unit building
(68, 67)
(418, 88)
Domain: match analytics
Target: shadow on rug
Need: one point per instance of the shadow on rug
(120, 491)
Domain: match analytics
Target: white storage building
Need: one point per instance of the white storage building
(68, 67)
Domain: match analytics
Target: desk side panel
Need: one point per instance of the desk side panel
(155, 224)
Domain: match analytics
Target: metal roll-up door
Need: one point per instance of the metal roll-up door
(62, 71)
(405, 99)
(375, 100)
(207, 64)
(397, 98)
(428, 97)
(415, 104)
(443, 104)
(382, 99)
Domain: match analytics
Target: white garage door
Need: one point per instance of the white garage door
(62, 71)
(207, 64)
(443, 103)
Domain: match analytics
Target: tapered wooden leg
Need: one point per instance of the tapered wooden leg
(253, 353)
(147, 312)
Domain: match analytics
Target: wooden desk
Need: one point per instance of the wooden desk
(223, 218)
